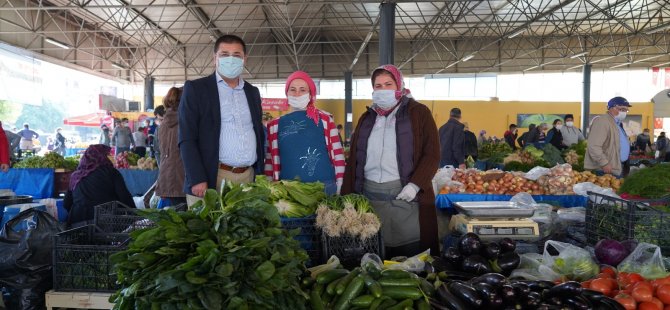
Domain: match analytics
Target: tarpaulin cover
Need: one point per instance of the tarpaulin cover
(138, 182)
(36, 182)
(446, 201)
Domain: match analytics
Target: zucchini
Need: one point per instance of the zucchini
(315, 300)
(427, 288)
(307, 282)
(421, 304)
(377, 302)
(401, 293)
(354, 289)
(387, 304)
(342, 285)
(331, 275)
(372, 270)
(330, 289)
(384, 282)
(397, 274)
(319, 288)
(402, 305)
(363, 301)
(373, 286)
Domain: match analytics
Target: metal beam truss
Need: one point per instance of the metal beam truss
(172, 40)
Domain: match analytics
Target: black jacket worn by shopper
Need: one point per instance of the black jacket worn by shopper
(470, 144)
(556, 138)
(105, 184)
(452, 136)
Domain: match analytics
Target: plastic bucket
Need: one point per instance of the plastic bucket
(12, 211)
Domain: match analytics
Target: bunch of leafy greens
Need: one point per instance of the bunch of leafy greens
(552, 155)
(653, 182)
(50, 160)
(292, 198)
(494, 152)
(226, 252)
(580, 148)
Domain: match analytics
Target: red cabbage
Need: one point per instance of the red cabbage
(610, 252)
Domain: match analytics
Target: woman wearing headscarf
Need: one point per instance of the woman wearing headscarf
(394, 156)
(170, 182)
(95, 182)
(304, 144)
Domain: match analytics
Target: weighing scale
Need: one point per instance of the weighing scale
(494, 220)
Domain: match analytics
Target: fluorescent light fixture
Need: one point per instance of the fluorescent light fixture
(661, 65)
(621, 65)
(57, 43)
(531, 68)
(516, 34)
(466, 58)
(575, 67)
(579, 55)
(659, 29)
(118, 66)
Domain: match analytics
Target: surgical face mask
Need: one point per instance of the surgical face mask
(621, 116)
(569, 124)
(646, 133)
(558, 127)
(230, 67)
(384, 98)
(299, 102)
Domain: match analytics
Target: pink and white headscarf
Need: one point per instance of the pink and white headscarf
(312, 113)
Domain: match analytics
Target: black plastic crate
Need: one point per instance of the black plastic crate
(115, 218)
(619, 219)
(309, 236)
(81, 260)
(350, 249)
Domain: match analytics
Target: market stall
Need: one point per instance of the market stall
(36, 182)
(137, 181)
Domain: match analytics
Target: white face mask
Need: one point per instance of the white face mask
(299, 102)
(621, 116)
(558, 127)
(230, 67)
(384, 98)
(569, 124)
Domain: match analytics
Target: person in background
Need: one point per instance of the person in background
(511, 136)
(482, 137)
(661, 144)
(524, 137)
(4, 150)
(122, 138)
(170, 183)
(452, 135)
(140, 142)
(571, 134)
(27, 137)
(643, 141)
(555, 137)
(608, 145)
(340, 130)
(104, 135)
(95, 182)
(543, 132)
(392, 162)
(159, 114)
(535, 136)
(267, 117)
(14, 142)
(59, 144)
(304, 143)
(470, 143)
(221, 134)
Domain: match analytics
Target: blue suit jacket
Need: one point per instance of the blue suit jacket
(200, 126)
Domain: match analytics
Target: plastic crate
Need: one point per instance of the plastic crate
(309, 236)
(81, 260)
(115, 218)
(619, 219)
(350, 249)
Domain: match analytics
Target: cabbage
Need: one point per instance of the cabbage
(610, 252)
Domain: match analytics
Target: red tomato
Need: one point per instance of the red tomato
(586, 284)
(657, 302)
(663, 293)
(602, 285)
(605, 275)
(626, 301)
(609, 270)
(666, 308)
(647, 305)
(644, 284)
(634, 278)
(642, 294)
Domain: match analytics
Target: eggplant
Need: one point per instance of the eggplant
(521, 289)
(577, 302)
(566, 289)
(476, 264)
(455, 276)
(555, 300)
(485, 290)
(453, 256)
(441, 264)
(507, 294)
(494, 279)
(466, 293)
(496, 303)
(548, 307)
(436, 304)
(533, 300)
(428, 268)
(469, 244)
(608, 303)
(491, 251)
(449, 300)
(539, 286)
(507, 245)
(506, 263)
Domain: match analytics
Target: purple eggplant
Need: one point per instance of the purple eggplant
(469, 244)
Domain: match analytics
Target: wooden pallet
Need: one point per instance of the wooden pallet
(77, 300)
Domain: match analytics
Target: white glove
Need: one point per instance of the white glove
(408, 193)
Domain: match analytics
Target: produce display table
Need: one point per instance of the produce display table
(77, 300)
(139, 181)
(445, 201)
(74, 151)
(36, 182)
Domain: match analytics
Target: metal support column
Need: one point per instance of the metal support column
(149, 93)
(386, 33)
(348, 104)
(586, 97)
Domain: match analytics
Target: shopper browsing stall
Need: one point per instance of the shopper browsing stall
(571, 134)
(555, 137)
(393, 160)
(170, 183)
(452, 137)
(608, 146)
(511, 136)
(304, 144)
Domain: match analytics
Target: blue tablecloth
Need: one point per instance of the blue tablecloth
(139, 181)
(445, 201)
(73, 151)
(38, 183)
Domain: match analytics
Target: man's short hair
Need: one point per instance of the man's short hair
(455, 112)
(124, 119)
(159, 111)
(230, 38)
(512, 126)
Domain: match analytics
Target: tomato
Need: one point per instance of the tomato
(661, 281)
(602, 285)
(634, 278)
(647, 305)
(605, 275)
(666, 308)
(657, 302)
(642, 294)
(644, 284)
(586, 284)
(609, 270)
(663, 293)
(626, 301)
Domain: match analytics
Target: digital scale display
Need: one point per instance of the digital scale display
(509, 231)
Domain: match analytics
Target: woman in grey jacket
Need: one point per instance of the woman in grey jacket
(171, 173)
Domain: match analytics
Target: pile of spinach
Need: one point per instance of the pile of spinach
(227, 252)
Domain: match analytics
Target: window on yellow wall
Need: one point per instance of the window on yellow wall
(462, 87)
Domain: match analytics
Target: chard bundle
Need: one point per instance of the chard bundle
(347, 215)
(292, 198)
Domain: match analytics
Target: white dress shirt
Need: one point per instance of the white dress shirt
(237, 140)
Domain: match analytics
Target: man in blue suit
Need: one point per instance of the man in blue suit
(220, 124)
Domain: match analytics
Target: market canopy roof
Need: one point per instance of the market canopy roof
(87, 120)
(172, 40)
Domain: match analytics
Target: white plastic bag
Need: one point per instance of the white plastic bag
(571, 263)
(645, 260)
(441, 178)
(532, 268)
(536, 173)
(412, 264)
(524, 199)
(584, 187)
(331, 264)
(51, 206)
